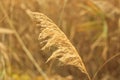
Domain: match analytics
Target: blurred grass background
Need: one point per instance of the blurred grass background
(93, 26)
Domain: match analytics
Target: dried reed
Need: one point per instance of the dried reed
(55, 44)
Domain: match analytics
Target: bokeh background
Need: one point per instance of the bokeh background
(93, 27)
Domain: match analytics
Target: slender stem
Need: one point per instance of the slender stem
(118, 54)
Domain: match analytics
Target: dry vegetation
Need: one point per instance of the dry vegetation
(79, 41)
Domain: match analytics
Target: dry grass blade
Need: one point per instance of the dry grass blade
(6, 31)
(55, 44)
(4, 62)
(28, 53)
(2, 47)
